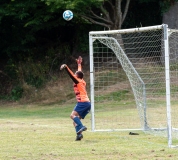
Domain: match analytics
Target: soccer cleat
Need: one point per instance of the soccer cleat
(82, 129)
(79, 137)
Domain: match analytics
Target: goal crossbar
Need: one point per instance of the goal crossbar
(142, 29)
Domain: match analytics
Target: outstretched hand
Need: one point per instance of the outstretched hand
(79, 60)
(63, 66)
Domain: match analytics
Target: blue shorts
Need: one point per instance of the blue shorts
(82, 108)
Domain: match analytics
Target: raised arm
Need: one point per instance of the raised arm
(79, 63)
(70, 73)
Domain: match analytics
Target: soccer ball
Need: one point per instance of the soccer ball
(67, 15)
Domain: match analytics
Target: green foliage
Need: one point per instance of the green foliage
(16, 93)
(33, 73)
(20, 23)
(11, 69)
(35, 39)
(30, 41)
(78, 7)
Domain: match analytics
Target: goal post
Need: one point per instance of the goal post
(134, 65)
(167, 70)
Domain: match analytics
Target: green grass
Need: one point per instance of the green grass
(115, 96)
(41, 132)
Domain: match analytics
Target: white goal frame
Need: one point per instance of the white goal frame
(167, 73)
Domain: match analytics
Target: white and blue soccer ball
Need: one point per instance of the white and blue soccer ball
(68, 15)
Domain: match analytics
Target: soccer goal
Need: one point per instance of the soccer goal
(134, 80)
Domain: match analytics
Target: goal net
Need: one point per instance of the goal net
(134, 80)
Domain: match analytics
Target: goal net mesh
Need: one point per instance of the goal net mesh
(129, 81)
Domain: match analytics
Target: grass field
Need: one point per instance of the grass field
(43, 132)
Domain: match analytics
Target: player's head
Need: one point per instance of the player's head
(79, 74)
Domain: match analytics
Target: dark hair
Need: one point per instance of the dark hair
(79, 74)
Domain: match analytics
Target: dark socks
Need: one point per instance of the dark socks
(79, 124)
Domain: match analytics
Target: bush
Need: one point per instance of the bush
(16, 93)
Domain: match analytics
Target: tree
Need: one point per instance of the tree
(107, 13)
(29, 34)
(19, 23)
(111, 14)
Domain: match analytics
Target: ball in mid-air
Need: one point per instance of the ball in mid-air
(68, 15)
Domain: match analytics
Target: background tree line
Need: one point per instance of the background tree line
(35, 39)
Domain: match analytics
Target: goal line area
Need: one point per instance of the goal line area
(134, 80)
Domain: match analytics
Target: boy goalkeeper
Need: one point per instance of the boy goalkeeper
(83, 105)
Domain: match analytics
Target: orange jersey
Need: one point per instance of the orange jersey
(79, 86)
